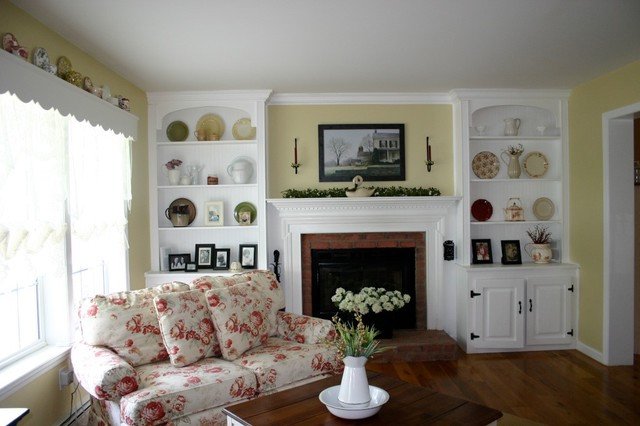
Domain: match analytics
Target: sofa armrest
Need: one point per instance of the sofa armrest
(102, 372)
(304, 329)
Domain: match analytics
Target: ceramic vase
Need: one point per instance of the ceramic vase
(539, 253)
(513, 164)
(174, 176)
(354, 387)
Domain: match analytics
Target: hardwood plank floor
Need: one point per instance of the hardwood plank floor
(554, 387)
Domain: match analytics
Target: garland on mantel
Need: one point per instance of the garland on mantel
(391, 191)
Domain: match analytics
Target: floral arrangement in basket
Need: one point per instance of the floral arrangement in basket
(369, 299)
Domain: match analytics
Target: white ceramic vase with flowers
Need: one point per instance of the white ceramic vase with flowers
(173, 171)
(540, 248)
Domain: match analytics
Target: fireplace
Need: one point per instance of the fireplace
(353, 269)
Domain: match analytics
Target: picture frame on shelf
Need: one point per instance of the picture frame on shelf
(222, 259)
(178, 261)
(481, 251)
(511, 253)
(204, 256)
(374, 151)
(248, 255)
(191, 267)
(214, 213)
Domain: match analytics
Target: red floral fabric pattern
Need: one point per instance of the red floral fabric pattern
(269, 284)
(304, 329)
(103, 373)
(127, 323)
(167, 393)
(243, 317)
(278, 362)
(207, 282)
(186, 326)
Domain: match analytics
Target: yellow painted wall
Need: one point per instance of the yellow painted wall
(587, 103)
(286, 122)
(48, 404)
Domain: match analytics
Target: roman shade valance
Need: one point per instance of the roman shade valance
(30, 83)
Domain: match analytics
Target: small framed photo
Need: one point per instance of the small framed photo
(222, 258)
(178, 262)
(214, 213)
(481, 251)
(191, 267)
(204, 255)
(248, 254)
(511, 254)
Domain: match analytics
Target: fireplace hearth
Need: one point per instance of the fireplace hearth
(353, 269)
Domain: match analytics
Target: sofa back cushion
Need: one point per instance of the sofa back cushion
(244, 317)
(207, 282)
(126, 322)
(186, 327)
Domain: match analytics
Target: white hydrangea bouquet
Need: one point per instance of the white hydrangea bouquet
(369, 299)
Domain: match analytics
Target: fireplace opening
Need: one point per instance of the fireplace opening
(353, 269)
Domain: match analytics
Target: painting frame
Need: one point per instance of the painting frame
(178, 261)
(222, 263)
(374, 151)
(248, 256)
(191, 267)
(214, 213)
(511, 252)
(204, 255)
(481, 251)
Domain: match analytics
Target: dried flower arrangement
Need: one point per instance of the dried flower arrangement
(539, 234)
(515, 150)
(173, 164)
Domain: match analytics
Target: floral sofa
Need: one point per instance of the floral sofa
(178, 353)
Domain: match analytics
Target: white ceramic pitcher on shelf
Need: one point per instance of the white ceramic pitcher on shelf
(511, 126)
(240, 170)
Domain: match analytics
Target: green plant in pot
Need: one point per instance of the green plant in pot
(539, 249)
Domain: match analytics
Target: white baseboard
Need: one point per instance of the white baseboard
(590, 352)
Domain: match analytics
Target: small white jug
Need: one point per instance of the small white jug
(511, 126)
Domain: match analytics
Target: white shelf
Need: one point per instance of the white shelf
(513, 222)
(515, 138)
(522, 180)
(210, 143)
(207, 228)
(233, 185)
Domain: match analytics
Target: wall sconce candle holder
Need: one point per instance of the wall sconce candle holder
(429, 161)
(295, 163)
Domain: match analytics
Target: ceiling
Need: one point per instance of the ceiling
(307, 46)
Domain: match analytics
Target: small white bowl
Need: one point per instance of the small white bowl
(329, 397)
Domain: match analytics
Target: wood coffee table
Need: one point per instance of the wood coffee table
(408, 404)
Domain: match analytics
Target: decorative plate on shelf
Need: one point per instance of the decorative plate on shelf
(543, 208)
(481, 210)
(535, 164)
(242, 130)
(40, 57)
(211, 124)
(485, 165)
(192, 207)
(177, 131)
(64, 66)
(245, 213)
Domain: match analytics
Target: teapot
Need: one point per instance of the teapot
(514, 211)
(178, 215)
(240, 170)
(511, 126)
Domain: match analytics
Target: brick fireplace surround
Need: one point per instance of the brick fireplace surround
(414, 240)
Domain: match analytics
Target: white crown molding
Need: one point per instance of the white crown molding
(208, 96)
(390, 98)
(464, 94)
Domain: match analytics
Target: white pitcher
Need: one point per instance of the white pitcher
(511, 126)
(240, 170)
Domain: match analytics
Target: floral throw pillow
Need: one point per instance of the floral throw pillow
(186, 326)
(243, 317)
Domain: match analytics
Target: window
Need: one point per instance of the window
(65, 187)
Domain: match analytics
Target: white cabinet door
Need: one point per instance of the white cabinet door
(549, 309)
(498, 318)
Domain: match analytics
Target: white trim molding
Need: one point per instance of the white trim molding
(434, 216)
(389, 98)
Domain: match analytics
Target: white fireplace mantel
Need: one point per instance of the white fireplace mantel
(289, 219)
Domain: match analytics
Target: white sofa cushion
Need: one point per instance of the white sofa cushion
(167, 392)
(186, 326)
(127, 323)
(278, 362)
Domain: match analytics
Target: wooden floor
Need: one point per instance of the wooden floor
(555, 387)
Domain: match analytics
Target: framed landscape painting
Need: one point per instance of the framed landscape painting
(373, 151)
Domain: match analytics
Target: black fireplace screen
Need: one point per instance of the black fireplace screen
(353, 269)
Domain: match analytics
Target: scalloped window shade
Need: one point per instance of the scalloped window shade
(66, 167)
